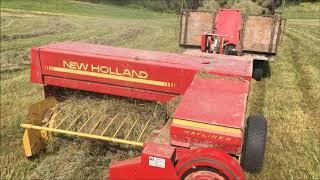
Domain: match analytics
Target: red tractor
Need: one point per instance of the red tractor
(209, 135)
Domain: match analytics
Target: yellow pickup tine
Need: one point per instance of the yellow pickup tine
(125, 119)
(85, 123)
(54, 116)
(95, 126)
(72, 133)
(145, 127)
(74, 121)
(62, 121)
(131, 128)
(114, 117)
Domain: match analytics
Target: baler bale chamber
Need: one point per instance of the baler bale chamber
(206, 134)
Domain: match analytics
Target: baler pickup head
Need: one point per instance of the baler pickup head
(114, 125)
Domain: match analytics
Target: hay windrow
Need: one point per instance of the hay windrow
(109, 116)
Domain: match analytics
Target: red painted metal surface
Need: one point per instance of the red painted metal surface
(215, 100)
(109, 89)
(229, 22)
(160, 161)
(35, 71)
(217, 105)
(157, 161)
(132, 71)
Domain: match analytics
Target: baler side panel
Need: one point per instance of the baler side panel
(149, 75)
(185, 136)
(140, 74)
(109, 89)
(211, 114)
(234, 66)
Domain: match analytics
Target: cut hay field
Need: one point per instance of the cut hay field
(289, 98)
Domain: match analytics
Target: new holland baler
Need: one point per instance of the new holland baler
(209, 135)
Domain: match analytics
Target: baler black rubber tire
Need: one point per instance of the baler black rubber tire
(254, 144)
(258, 74)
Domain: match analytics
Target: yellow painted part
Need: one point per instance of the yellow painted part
(125, 119)
(110, 76)
(145, 127)
(75, 120)
(26, 143)
(135, 122)
(105, 130)
(85, 135)
(62, 121)
(96, 125)
(207, 126)
(85, 123)
(33, 141)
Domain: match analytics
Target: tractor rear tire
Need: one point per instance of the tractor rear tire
(254, 144)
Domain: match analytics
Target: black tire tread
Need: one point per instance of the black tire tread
(254, 145)
(258, 74)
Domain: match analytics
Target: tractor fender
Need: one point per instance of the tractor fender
(211, 160)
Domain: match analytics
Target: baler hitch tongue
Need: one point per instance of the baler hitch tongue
(47, 116)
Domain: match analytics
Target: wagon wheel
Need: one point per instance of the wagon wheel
(258, 74)
(258, 69)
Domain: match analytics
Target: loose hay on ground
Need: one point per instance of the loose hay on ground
(109, 116)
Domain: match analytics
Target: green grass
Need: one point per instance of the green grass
(289, 99)
(303, 11)
(82, 8)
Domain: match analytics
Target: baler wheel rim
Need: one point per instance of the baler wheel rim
(203, 172)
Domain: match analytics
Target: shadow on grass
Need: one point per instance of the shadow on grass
(267, 70)
(257, 98)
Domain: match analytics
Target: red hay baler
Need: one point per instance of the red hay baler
(208, 136)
